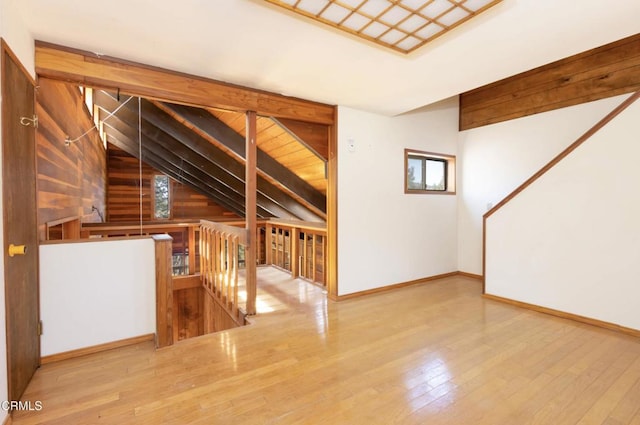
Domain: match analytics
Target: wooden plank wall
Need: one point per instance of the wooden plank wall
(215, 317)
(124, 193)
(606, 71)
(71, 179)
(188, 305)
(123, 186)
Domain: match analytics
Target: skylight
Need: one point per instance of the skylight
(401, 25)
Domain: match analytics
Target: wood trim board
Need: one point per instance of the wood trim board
(91, 69)
(96, 348)
(600, 124)
(393, 286)
(565, 315)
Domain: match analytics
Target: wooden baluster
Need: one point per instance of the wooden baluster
(324, 260)
(295, 240)
(313, 257)
(267, 244)
(235, 281)
(227, 268)
(209, 258)
(203, 255)
(192, 249)
(233, 252)
(304, 256)
(216, 276)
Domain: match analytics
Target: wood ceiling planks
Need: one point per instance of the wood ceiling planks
(281, 146)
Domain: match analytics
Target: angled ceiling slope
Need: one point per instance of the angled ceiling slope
(176, 150)
(401, 25)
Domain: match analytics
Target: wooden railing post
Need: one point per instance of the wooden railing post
(164, 291)
(251, 211)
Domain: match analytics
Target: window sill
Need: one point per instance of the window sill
(428, 192)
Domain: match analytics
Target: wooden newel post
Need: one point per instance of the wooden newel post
(251, 211)
(164, 291)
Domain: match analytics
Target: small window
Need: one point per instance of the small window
(161, 201)
(427, 172)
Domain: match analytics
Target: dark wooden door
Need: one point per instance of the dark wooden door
(20, 225)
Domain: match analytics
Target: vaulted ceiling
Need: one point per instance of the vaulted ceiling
(197, 148)
(256, 44)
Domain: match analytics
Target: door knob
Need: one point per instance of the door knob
(17, 250)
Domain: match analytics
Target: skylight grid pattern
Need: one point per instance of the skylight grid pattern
(402, 25)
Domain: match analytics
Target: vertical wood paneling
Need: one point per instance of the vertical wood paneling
(188, 308)
(71, 179)
(124, 193)
(216, 318)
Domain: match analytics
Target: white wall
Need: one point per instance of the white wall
(571, 241)
(384, 236)
(13, 31)
(96, 292)
(495, 159)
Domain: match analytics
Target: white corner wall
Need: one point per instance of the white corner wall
(495, 159)
(571, 240)
(14, 32)
(384, 236)
(96, 292)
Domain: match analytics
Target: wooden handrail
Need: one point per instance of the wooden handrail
(238, 232)
(611, 115)
(295, 245)
(219, 264)
(599, 125)
(305, 225)
(184, 232)
(130, 227)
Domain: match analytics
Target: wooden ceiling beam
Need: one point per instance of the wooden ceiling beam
(94, 70)
(154, 155)
(226, 138)
(202, 147)
(191, 148)
(202, 174)
(167, 166)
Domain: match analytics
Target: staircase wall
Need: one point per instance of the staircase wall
(571, 240)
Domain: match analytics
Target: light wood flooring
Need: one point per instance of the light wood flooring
(436, 353)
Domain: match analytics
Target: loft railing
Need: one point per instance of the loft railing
(185, 234)
(297, 246)
(222, 255)
(211, 255)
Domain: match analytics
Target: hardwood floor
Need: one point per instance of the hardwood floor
(436, 353)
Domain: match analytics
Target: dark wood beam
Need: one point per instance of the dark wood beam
(193, 150)
(194, 145)
(90, 69)
(197, 177)
(129, 146)
(219, 133)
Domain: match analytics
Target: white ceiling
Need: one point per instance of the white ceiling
(252, 43)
